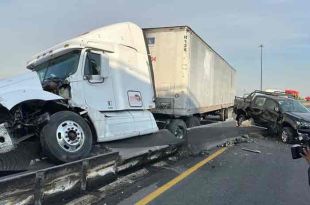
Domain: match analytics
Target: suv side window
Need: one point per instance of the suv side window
(270, 105)
(259, 102)
(92, 64)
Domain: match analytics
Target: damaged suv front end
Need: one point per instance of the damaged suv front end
(296, 119)
(23, 104)
(303, 130)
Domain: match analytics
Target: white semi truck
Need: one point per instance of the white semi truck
(103, 86)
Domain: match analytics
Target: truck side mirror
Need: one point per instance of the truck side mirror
(105, 65)
(96, 67)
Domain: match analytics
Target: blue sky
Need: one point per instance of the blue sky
(233, 28)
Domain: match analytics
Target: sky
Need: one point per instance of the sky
(235, 29)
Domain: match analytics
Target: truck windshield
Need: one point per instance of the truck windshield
(60, 67)
(292, 106)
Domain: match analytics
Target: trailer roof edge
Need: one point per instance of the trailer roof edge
(188, 27)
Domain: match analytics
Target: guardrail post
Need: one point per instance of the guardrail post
(84, 168)
(38, 192)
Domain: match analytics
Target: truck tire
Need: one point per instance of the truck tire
(66, 137)
(178, 128)
(192, 121)
(288, 135)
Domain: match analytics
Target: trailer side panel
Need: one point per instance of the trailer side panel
(212, 80)
(190, 77)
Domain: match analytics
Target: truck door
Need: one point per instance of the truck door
(257, 108)
(97, 86)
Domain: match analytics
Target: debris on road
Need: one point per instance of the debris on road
(237, 140)
(173, 158)
(251, 150)
(247, 123)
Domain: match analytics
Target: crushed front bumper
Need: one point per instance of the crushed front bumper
(303, 134)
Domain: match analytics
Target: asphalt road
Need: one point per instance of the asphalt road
(234, 177)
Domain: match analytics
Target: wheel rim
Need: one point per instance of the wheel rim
(70, 136)
(179, 133)
(284, 136)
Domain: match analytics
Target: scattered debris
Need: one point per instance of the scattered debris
(160, 164)
(122, 182)
(173, 158)
(237, 140)
(204, 152)
(251, 150)
(247, 123)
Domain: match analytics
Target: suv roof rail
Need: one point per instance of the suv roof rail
(275, 93)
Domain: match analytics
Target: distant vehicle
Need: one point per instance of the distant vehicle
(293, 93)
(307, 98)
(101, 86)
(280, 114)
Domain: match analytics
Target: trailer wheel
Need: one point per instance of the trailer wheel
(66, 137)
(192, 121)
(178, 128)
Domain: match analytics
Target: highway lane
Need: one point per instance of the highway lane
(233, 177)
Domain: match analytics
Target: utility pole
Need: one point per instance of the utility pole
(261, 66)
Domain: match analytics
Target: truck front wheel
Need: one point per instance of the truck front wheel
(178, 128)
(66, 137)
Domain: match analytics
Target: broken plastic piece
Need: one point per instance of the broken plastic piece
(251, 150)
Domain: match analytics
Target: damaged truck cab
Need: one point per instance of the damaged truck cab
(94, 88)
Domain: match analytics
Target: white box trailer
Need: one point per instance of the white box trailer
(191, 79)
(99, 86)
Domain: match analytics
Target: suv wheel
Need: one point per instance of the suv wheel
(287, 135)
(240, 119)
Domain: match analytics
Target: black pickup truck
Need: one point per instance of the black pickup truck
(280, 114)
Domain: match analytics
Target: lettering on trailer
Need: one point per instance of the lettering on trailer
(134, 99)
(185, 43)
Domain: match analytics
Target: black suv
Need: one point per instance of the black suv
(278, 113)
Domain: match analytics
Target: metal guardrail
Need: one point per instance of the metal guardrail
(46, 184)
(63, 182)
